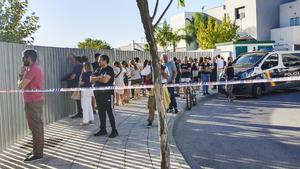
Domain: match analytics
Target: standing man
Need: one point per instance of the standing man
(103, 77)
(171, 80)
(95, 67)
(32, 78)
(205, 69)
(185, 69)
(75, 77)
(96, 63)
(177, 80)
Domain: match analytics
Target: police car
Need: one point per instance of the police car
(264, 65)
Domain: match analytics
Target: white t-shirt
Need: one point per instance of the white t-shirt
(163, 80)
(146, 71)
(220, 63)
(135, 74)
(140, 66)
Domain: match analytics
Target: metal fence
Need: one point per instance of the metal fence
(55, 63)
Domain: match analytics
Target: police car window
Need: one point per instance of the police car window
(248, 59)
(270, 62)
(291, 59)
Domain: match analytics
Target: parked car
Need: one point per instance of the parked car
(264, 65)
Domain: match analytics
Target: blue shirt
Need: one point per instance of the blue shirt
(171, 67)
(77, 70)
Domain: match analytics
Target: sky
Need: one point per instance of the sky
(64, 23)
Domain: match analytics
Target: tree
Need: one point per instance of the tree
(165, 37)
(209, 33)
(15, 27)
(94, 44)
(193, 27)
(149, 27)
(175, 38)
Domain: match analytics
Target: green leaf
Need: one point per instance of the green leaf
(181, 3)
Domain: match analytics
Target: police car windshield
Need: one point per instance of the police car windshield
(248, 60)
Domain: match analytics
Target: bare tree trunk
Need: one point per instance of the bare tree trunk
(158, 91)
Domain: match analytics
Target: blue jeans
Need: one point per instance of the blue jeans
(205, 77)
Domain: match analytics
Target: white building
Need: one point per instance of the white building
(254, 17)
(287, 36)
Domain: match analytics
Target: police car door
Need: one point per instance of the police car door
(271, 69)
(291, 67)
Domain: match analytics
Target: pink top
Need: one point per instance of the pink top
(36, 77)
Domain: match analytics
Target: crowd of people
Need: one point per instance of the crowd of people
(135, 73)
(100, 74)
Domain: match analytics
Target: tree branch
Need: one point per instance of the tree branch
(162, 15)
(155, 9)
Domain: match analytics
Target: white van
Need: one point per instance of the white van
(262, 65)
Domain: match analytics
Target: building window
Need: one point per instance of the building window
(240, 13)
(295, 21)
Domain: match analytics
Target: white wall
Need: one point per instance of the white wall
(288, 11)
(248, 25)
(217, 12)
(286, 35)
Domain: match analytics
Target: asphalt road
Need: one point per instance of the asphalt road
(248, 133)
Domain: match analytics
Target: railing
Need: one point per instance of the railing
(55, 63)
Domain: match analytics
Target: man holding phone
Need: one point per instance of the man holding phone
(32, 78)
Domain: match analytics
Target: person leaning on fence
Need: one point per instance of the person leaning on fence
(32, 78)
(75, 76)
(86, 95)
(105, 77)
(229, 72)
(151, 97)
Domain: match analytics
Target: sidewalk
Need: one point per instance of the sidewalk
(70, 146)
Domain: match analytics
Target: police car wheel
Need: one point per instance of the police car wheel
(257, 91)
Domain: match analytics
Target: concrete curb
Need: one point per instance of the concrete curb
(173, 126)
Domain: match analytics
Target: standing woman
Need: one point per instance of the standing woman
(229, 72)
(136, 79)
(127, 78)
(214, 74)
(86, 96)
(145, 69)
(119, 82)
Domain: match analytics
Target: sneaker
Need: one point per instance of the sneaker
(91, 122)
(204, 94)
(84, 124)
(170, 111)
(29, 154)
(33, 158)
(149, 124)
(207, 93)
(114, 134)
(101, 133)
(176, 111)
